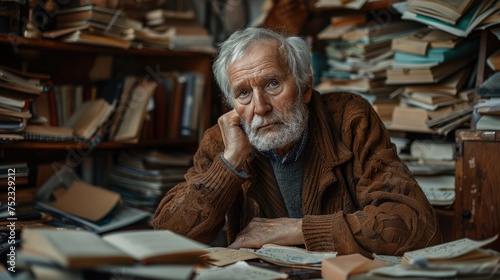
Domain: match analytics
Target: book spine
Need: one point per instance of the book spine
(188, 109)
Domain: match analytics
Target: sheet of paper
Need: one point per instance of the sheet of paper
(292, 255)
(221, 256)
(390, 260)
(240, 270)
(448, 250)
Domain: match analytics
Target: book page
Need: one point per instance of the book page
(457, 6)
(388, 259)
(291, 255)
(221, 256)
(140, 271)
(143, 244)
(240, 270)
(72, 248)
(448, 250)
(80, 243)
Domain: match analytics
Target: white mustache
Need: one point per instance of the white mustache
(259, 121)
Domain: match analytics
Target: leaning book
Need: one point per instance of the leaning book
(83, 249)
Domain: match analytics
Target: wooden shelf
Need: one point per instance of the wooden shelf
(31, 145)
(46, 151)
(54, 45)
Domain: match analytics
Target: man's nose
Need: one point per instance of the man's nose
(261, 102)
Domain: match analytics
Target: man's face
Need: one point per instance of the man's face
(266, 99)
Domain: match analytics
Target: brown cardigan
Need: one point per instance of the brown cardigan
(357, 195)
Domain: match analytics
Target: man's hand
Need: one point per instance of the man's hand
(261, 231)
(237, 148)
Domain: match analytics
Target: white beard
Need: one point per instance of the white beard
(290, 127)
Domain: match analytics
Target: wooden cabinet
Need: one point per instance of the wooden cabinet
(477, 205)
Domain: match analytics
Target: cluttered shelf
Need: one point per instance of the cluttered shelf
(47, 44)
(86, 83)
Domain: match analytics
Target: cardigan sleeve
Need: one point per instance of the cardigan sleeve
(196, 207)
(393, 215)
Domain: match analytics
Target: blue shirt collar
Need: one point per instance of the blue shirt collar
(291, 156)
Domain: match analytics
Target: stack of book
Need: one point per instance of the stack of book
(433, 69)
(18, 89)
(94, 25)
(143, 177)
(359, 53)
(439, 189)
(487, 110)
(487, 115)
(432, 163)
(14, 177)
(417, 61)
(440, 121)
(174, 30)
(459, 18)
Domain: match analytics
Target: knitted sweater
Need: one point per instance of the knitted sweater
(357, 195)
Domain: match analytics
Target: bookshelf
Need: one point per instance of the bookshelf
(72, 63)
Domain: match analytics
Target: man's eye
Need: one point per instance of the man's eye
(273, 84)
(273, 87)
(243, 94)
(244, 97)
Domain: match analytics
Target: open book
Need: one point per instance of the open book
(443, 10)
(83, 249)
(465, 24)
(280, 255)
(83, 124)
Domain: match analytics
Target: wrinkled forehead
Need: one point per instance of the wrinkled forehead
(273, 47)
(268, 49)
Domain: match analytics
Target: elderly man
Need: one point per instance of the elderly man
(289, 166)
